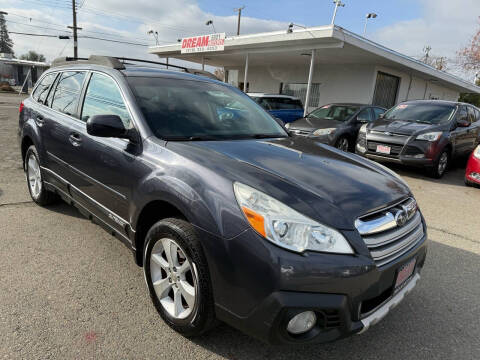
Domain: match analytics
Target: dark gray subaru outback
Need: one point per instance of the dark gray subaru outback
(286, 239)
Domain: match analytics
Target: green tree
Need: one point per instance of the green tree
(6, 44)
(470, 98)
(33, 56)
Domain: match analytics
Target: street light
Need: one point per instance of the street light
(337, 4)
(210, 22)
(155, 35)
(368, 16)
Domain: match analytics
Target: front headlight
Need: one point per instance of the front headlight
(431, 136)
(363, 129)
(476, 152)
(287, 126)
(320, 132)
(284, 226)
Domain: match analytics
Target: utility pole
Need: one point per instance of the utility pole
(239, 16)
(74, 28)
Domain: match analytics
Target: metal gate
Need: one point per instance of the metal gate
(386, 89)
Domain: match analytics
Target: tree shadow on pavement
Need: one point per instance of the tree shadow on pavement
(438, 320)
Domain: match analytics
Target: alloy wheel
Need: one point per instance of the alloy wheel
(442, 163)
(173, 278)
(34, 176)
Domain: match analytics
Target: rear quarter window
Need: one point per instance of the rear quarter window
(41, 91)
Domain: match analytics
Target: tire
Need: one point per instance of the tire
(34, 177)
(343, 144)
(440, 165)
(190, 317)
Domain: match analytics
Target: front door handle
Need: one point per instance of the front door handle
(75, 139)
(40, 120)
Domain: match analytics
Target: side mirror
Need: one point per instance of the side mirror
(108, 126)
(381, 116)
(463, 123)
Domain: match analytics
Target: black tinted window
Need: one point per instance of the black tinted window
(41, 91)
(365, 115)
(284, 103)
(67, 92)
(104, 98)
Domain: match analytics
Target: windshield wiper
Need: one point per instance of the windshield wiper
(190, 138)
(266, 136)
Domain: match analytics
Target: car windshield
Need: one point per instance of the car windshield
(422, 113)
(177, 109)
(334, 112)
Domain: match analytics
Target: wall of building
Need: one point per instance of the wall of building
(341, 83)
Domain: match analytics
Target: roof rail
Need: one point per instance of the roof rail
(118, 63)
(93, 59)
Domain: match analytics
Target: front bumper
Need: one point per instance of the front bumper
(404, 150)
(260, 287)
(472, 172)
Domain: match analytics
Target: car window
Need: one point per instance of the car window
(41, 91)
(471, 114)
(477, 114)
(67, 92)
(377, 112)
(190, 110)
(462, 113)
(104, 98)
(263, 103)
(334, 112)
(284, 103)
(365, 115)
(421, 112)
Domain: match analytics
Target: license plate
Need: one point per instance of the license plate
(383, 149)
(405, 272)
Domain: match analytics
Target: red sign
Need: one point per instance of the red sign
(203, 43)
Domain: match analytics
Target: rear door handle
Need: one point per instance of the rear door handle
(75, 139)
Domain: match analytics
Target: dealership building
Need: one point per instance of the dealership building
(327, 63)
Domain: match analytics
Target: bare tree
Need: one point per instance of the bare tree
(469, 57)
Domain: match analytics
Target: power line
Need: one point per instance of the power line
(36, 26)
(115, 41)
(31, 34)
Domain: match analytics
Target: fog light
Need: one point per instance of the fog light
(302, 323)
(475, 175)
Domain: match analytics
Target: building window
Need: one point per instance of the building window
(386, 89)
(299, 90)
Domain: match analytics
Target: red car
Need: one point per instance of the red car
(472, 174)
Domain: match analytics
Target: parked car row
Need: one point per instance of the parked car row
(422, 133)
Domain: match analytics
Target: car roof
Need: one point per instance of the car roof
(428, 101)
(273, 95)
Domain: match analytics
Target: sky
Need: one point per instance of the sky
(402, 25)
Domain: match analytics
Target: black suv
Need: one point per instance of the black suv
(426, 133)
(335, 124)
(287, 239)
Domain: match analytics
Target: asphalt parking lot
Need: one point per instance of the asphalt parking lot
(70, 290)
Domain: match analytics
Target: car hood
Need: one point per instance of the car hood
(401, 127)
(339, 186)
(315, 123)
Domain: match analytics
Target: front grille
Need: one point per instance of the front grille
(395, 149)
(300, 132)
(387, 240)
(329, 319)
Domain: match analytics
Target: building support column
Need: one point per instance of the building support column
(245, 76)
(309, 84)
(203, 62)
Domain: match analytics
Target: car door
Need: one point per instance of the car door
(61, 118)
(106, 167)
(460, 136)
(473, 130)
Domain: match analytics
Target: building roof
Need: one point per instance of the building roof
(14, 61)
(336, 45)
